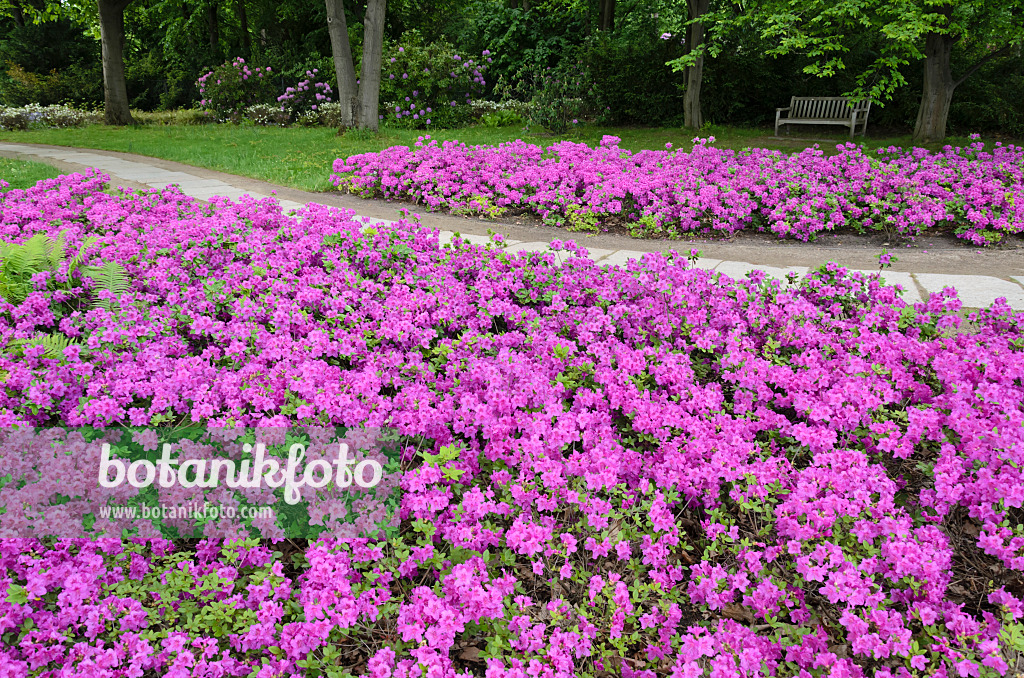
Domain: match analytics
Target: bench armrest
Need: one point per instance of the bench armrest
(779, 110)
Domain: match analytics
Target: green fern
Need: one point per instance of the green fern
(54, 345)
(20, 262)
(112, 277)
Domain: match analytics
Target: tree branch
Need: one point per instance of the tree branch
(981, 62)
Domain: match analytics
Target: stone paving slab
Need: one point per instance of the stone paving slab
(201, 184)
(737, 270)
(974, 291)
(537, 246)
(597, 254)
(620, 257)
(904, 280)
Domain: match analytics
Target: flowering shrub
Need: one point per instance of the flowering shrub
(266, 114)
(638, 472)
(233, 86)
(34, 116)
(306, 96)
(430, 85)
(978, 194)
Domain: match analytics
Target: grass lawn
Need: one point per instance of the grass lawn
(301, 157)
(21, 174)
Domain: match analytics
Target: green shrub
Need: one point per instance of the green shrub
(76, 85)
(429, 85)
(559, 98)
(632, 84)
(234, 86)
(501, 119)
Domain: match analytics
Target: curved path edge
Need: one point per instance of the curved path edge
(979, 277)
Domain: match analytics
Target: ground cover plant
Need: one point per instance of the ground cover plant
(976, 193)
(297, 156)
(646, 471)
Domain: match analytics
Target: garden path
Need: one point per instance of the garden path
(979, 276)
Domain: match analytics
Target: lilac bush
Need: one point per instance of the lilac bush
(977, 193)
(647, 471)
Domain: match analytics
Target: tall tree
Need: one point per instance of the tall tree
(692, 116)
(373, 53)
(359, 99)
(243, 21)
(904, 31)
(115, 89)
(111, 24)
(606, 16)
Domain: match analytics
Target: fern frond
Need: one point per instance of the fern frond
(18, 263)
(53, 344)
(112, 277)
(26, 258)
(76, 261)
(55, 251)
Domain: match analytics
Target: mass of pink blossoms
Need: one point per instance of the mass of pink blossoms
(660, 471)
(978, 194)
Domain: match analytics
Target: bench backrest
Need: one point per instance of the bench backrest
(826, 108)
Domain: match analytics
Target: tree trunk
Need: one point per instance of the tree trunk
(938, 85)
(692, 117)
(243, 19)
(373, 47)
(606, 18)
(17, 14)
(115, 90)
(938, 89)
(348, 93)
(213, 28)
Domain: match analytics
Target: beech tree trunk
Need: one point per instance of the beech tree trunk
(115, 90)
(373, 47)
(606, 19)
(344, 69)
(938, 85)
(243, 19)
(692, 117)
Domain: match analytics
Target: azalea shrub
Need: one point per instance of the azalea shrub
(652, 470)
(234, 86)
(430, 85)
(973, 192)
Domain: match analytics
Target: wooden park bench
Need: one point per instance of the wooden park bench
(825, 111)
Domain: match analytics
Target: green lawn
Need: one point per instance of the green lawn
(301, 157)
(21, 174)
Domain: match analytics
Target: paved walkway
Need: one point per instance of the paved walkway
(929, 276)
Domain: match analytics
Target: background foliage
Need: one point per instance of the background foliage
(171, 44)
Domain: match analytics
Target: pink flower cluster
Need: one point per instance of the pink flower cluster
(306, 95)
(647, 471)
(978, 194)
(233, 86)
